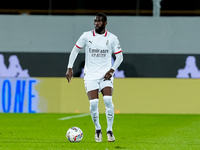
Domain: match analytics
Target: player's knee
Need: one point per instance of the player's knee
(108, 102)
(94, 104)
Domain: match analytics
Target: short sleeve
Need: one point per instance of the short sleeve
(116, 46)
(81, 41)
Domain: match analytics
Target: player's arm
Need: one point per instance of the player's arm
(118, 61)
(79, 44)
(72, 58)
(119, 58)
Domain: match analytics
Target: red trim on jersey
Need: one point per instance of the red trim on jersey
(78, 47)
(118, 52)
(104, 34)
(93, 33)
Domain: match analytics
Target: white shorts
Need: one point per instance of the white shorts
(98, 84)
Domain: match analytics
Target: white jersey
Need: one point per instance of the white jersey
(98, 53)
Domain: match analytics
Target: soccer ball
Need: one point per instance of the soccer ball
(74, 134)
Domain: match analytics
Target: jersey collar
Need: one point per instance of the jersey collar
(105, 34)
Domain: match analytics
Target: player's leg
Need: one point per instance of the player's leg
(94, 110)
(94, 101)
(107, 96)
(93, 96)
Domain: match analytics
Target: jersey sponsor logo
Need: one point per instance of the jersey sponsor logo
(98, 52)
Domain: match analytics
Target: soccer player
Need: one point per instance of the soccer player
(98, 71)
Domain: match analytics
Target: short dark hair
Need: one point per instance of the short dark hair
(102, 15)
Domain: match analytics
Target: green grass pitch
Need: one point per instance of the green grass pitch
(132, 131)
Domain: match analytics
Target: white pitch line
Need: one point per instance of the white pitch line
(76, 116)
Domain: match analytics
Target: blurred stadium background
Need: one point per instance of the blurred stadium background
(160, 42)
(89, 7)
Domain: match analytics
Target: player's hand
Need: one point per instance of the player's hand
(109, 74)
(69, 74)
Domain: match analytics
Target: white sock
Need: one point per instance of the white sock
(95, 113)
(109, 111)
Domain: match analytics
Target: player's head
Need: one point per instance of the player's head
(100, 22)
(103, 16)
